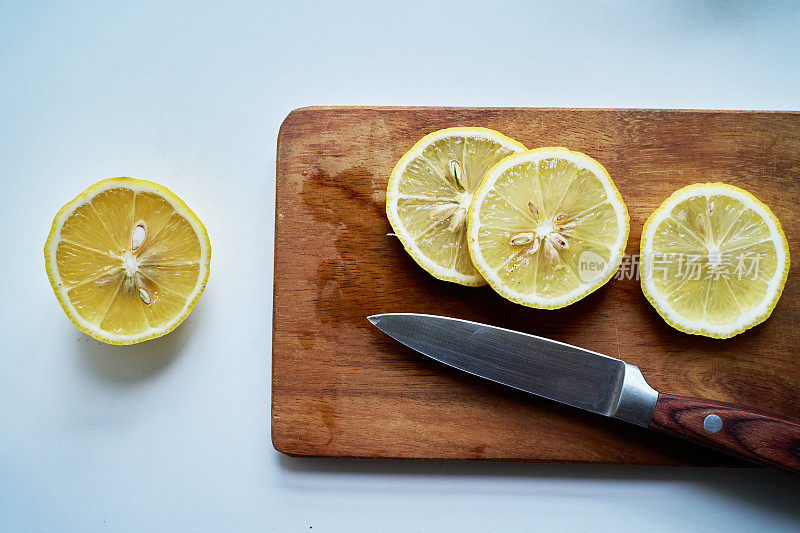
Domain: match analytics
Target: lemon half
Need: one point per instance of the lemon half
(429, 193)
(127, 260)
(714, 260)
(547, 227)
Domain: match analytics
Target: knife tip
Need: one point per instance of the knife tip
(374, 319)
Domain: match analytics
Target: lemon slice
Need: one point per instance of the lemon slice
(429, 193)
(547, 227)
(128, 260)
(714, 260)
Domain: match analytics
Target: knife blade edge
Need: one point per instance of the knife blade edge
(612, 388)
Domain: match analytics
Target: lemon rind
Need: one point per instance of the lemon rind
(777, 283)
(392, 197)
(60, 291)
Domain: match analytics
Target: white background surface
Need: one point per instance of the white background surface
(174, 434)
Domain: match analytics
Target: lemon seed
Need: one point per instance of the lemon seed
(534, 210)
(521, 239)
(144, 295)
(457, 173)
(139, 234)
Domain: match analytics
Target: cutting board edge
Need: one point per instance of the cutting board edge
(303, 109)
(286, 449)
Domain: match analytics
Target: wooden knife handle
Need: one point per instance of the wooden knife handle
(743, 431)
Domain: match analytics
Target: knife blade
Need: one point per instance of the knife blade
(594, 382)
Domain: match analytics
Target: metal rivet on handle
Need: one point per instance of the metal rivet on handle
(712, 423)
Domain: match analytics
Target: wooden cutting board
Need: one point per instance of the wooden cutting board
(342, 388)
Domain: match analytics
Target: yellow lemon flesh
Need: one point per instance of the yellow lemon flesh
(714, 260)
(127, 260)
(429, 193)
(547, 227)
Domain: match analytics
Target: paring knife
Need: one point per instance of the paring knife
(596, 383)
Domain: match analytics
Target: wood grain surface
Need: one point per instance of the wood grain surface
(340, 387)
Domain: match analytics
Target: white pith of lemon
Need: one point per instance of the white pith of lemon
(714, 260)
(127, 260)
(429, 193)
(536, 218)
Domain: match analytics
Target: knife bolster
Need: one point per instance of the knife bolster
(636, 400)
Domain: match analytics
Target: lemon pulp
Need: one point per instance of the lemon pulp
(429, 193)
(714, 260)
(127, 260)
(538, 219)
